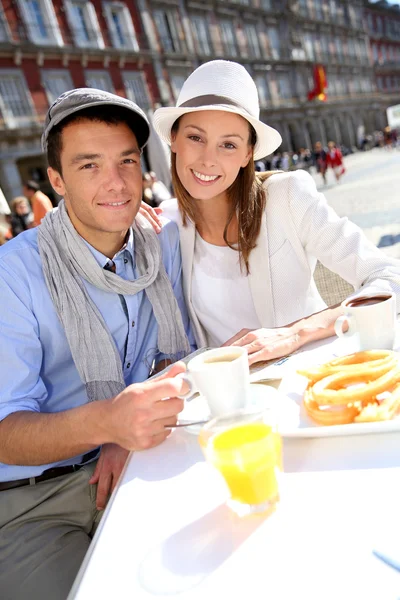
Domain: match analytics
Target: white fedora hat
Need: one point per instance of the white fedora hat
(220, 85)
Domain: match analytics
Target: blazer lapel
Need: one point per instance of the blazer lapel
(260, 278)
(187, 238)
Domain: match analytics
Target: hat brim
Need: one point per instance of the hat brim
(268, 138)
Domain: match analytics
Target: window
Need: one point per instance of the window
(309, 46)
(283, 82)
(273, 42)
(16, 107)
(177, 81)
(228, 36)
(84, 25)
(4, 30)
(263, 90)
(100, 80)
(167, 22)
(339, 48)
(375, 53)
(41, 22)
(56, 82)
(201, 36)
(302, 7)
(120, 25)
(301, 85)
(318, 10)
(325, 48)
(252, 40)
(136, 89)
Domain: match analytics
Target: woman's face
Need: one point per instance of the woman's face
(210, 148)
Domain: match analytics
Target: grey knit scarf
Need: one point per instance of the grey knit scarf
(66, 260)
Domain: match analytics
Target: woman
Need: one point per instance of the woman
(250, 241)
(334, 160)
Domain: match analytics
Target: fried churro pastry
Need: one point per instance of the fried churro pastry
(360, 387)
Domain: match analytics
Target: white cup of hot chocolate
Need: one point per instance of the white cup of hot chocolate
(371, 321)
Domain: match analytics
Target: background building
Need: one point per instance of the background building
(49, 47)
(279, 42)
(383, 26)
(144, 49)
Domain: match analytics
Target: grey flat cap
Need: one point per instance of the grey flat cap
(81, 98)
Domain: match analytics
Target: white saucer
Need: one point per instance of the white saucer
(262, 397)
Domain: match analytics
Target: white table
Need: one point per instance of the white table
(167, 532)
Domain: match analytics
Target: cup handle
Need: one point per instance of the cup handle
(192, 388)
(340, 321)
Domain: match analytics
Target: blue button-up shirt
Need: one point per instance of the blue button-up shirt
(37, 372)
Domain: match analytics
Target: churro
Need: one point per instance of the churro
(360, 387)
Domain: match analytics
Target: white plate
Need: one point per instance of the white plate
(261, 397)
(293, 388)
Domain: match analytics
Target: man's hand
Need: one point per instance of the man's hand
(140, 416)
(151, 214)
(108, 469)
(265, 344)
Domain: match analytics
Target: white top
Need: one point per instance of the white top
(221, 292)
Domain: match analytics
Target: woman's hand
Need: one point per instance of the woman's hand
(151, 214)
(265, 344)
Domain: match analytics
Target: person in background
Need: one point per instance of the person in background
(334, 159)
(250, 241)
(21, 215)
(320, 161)
(41, 204)
(91, 303)
(259, 166)
(159, 190)
(147, 194)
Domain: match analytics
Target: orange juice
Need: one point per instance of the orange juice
(248, 456)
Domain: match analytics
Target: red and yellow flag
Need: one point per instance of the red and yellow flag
(320, 84)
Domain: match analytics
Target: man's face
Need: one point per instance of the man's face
(101, 178)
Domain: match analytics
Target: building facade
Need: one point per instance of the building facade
(383, 25)
(279, 42)
(47, 48)
(144, 49)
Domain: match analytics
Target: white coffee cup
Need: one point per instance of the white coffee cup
(371, 319)
(222, 376)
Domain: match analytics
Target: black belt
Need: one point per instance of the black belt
(49, 473)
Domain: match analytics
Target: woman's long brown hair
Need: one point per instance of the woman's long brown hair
(247, 198)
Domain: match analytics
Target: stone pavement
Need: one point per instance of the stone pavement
(369, 194)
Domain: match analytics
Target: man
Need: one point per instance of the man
(86, 308)
(41, 204)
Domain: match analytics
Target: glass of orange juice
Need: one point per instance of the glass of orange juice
(246, 448)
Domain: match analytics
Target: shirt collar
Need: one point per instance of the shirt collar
(103, 260)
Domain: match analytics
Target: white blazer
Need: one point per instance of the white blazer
(298, 228)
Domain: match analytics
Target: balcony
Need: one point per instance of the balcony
(28, 124)
(45, 37)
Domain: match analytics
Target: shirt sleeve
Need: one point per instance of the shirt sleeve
(22, 388)
(169, 239)
(337, 242)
